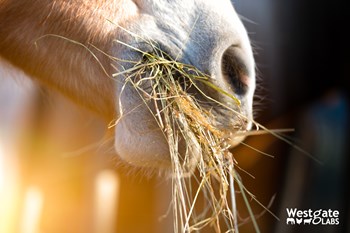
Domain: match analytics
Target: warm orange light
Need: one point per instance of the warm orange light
(31, 214)
(9, 190)
(2, 168)
(106, 197)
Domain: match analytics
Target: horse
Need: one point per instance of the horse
(67, 45)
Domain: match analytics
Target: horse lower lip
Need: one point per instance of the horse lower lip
(235, 140)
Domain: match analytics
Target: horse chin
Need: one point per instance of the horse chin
(151, 150)
(139, 147)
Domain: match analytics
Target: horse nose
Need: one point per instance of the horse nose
(229, 62)
(235, 70)
(230, 66)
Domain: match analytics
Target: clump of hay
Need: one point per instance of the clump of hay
(203, 172)
(206, 159)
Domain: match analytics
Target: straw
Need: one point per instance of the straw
(205, 158)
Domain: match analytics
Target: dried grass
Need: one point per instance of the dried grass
(203, 172)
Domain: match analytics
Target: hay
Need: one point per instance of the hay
(206, 159)
(198, 149)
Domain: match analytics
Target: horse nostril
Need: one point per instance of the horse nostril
(234, 70)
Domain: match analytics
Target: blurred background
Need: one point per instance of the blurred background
(58, 172)
(302, 57)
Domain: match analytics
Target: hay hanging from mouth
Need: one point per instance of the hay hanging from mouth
(203, 174)
(202, 166)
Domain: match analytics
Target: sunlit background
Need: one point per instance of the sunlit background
(58, 173)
